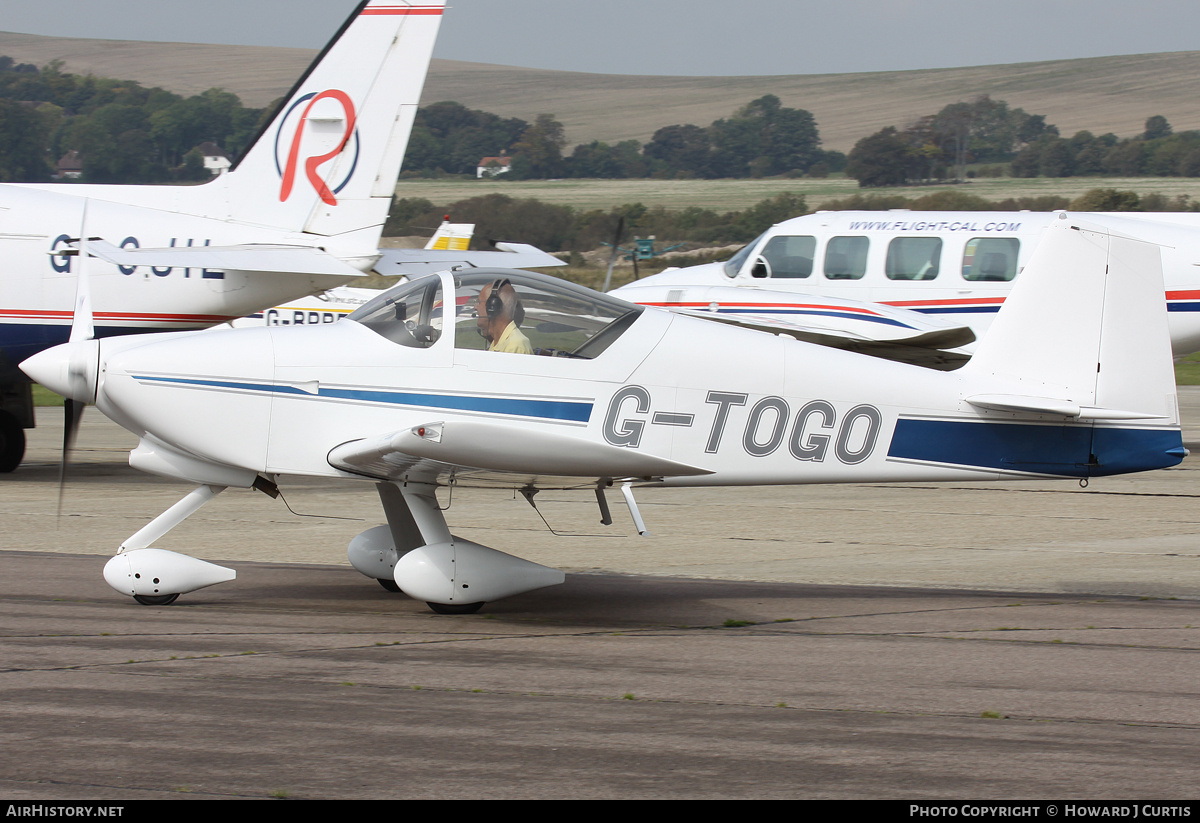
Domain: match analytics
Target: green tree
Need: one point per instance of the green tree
(23, 139)
(882, 159)
(598, 159)
(1127, 159)
(681, 149)
(450, 137)
(1156, 127)
(1057, 159)
(1106, 200)
(538, 154)
(764, 138)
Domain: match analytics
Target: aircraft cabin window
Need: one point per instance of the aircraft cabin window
(409, 314)
(786, 256)
(914, 258)
(846, 258)
(544, 315)
(991, 258)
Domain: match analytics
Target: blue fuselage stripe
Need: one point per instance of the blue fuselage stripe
(1072, 451)
(574, 411)
(957, 309)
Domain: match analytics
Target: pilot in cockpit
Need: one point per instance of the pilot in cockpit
(499, 318)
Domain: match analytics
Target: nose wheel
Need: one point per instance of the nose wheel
(156, 599)
(455, 608)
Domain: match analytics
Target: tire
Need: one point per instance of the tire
(455, 608)
(390, 585)
(156, 599)
(12, 442)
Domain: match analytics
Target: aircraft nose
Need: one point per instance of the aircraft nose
(70, 369)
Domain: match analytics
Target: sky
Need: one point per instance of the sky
(681, 37)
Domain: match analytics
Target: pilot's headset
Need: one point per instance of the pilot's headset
(495, 305)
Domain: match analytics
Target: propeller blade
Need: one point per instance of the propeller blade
(612, 258)
(72, 417)
(82, 328)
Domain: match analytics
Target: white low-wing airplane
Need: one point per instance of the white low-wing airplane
(578, 390)
(957, 266)
(301, 212)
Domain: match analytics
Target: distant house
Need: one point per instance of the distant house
(70, 166)
(493, 166)
(215, 158)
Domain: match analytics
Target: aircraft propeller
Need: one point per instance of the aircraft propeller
(83, 360)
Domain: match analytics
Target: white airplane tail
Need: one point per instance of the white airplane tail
(1083, 334)
(328, 161)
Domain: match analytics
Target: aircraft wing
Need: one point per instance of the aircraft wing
(251, 257)
(489, 447)
(928, 348)
(414, 262)
(888, 332)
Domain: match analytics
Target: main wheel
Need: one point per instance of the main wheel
(12, 442)
(391, 585)
(156, 599)
(455, 608)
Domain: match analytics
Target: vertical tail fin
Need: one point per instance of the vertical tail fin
(1084, 331)
(327, 162)
(451, 236)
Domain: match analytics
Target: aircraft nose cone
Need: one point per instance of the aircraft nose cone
(70, 369)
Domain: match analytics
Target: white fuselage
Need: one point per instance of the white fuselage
(39, 279)
(737, 406)
(956, 265)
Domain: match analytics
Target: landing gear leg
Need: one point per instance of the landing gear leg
(426, 562)
(155, 577)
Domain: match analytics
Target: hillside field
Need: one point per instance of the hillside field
(735, 195)
(1100, 94)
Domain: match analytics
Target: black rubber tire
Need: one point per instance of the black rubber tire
(12, 442)
(156, 599)
(390, 585)
(455, 608)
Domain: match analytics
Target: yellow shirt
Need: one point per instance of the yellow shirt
(512, 341)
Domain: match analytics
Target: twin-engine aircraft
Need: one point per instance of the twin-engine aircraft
(506, 378)
(954, 269)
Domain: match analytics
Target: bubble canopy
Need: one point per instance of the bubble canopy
(560, 319)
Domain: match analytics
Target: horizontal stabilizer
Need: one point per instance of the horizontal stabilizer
(250, 257)
(414, 262)
(1050, 405)
(504, 448)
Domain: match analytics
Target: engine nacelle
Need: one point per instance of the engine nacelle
(157, 572)
(461, 572)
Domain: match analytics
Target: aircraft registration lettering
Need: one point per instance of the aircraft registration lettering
(275, 317)
(768, 425)
(60, 261)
